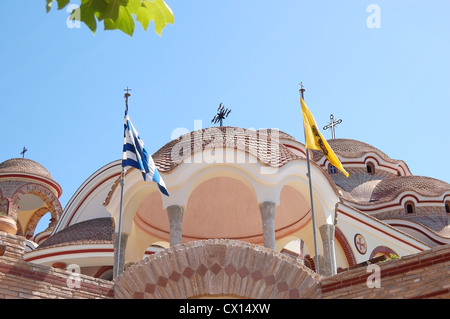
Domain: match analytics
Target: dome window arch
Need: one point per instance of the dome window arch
(332, 169)
(370, 167)
(410, 208)
(447, 207)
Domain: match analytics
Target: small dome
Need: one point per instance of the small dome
(93, 231)
(24, 166)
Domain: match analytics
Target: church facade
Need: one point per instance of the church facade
(242, 220)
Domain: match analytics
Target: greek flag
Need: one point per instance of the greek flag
(135, 155)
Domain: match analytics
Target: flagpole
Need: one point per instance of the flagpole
(311, 196)
(119, 231)
(122, 183)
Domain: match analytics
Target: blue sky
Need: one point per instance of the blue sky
(62, 88)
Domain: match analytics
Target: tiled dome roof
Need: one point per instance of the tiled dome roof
(389, 188)
(93, 231)
(24, 166)
(256, 143)
(371, 189)
(348, 148)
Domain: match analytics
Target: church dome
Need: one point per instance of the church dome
(89, 232)
(256, 143)
(388, 189)
(349, 148)
(24, 166)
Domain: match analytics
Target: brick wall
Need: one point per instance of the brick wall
(423, 275)
(229, 268)
(219, 267)
(24, 280)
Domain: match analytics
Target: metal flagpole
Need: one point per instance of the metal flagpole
(311, 195)
(122, 182)
(119, 231)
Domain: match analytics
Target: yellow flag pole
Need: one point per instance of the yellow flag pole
(316, 258)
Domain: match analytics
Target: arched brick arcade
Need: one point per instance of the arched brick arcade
(217, 268)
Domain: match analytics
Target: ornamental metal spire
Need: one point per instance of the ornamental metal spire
(331, 125)
(222, 113)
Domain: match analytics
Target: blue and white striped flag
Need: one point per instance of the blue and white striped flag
(135, 155)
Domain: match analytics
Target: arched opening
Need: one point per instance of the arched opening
(298, 250)
(410, 208)
(222, 207)
(370, 167)
(332, 169)
(43, 223)
(447, 207)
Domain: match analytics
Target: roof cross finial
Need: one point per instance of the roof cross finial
(127, 94)
(302, 89)
(23, 152)
(331, 125)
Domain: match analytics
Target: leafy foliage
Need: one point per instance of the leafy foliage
(118, 14)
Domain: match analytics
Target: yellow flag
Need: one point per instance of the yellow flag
(315, 140)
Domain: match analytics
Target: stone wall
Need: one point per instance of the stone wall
(423, 275)
(24, 280)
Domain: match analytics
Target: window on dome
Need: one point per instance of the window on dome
(409, 207)
(332, 169)
(370, 168)
(447, 207)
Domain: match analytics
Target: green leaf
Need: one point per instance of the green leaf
(156, 11)
(124, 21)
(62, 3)
(48, 6)
(118, 14)
(112, 10)
(87, 14)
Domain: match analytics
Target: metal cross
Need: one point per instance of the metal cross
(332, 124)
(222, 113)
(127, 94)
(23, 152)
(302, 88)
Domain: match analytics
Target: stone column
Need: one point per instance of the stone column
(329, 255)
(175, 213)
(119, 255)
(267, 210)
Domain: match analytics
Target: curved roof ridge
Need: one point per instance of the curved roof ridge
(92, 231)
(257, 143)
(24, 166)
(390, 188)
(350, 148)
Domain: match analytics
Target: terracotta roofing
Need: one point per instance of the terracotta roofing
(24, 166)
(282, 135)
(389, 188)
(372, 189)
(348, 148)
(257, 143)
(93, 231)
